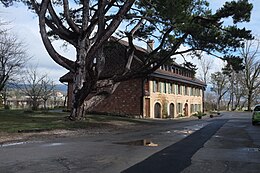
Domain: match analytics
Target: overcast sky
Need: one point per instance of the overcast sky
(25, 25)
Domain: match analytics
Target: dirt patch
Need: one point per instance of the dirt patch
(92, 129)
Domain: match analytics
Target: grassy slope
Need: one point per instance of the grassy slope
(18, 120)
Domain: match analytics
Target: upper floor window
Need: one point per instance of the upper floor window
(156, 86)
(169, 88)
(192, 91)
(164, 88)
(179, 89)
(186, 90)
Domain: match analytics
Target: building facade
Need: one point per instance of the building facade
(169, 92)
(171, 95)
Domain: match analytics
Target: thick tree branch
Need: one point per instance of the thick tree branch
(64, 62)
(110, 29)
(131, 49)
(85, 15)
(71, 23)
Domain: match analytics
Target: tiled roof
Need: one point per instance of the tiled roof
(177, 78)
(125, 43)
(116, 61)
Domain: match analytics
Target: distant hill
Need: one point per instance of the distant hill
(62, 88)
(59, 87)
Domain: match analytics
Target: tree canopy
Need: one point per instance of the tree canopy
(88, 25)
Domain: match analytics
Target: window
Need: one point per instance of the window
(196, 108)
(173, 88)
(199, 107)
(165, 87)
(193, 91)
(179, 108)
(186, 90)
(169, 88)
(155, 86)
(191, 108)
(197, 92)
(159, 87)
(179, 89)
(200, 91)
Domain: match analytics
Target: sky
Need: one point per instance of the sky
(24, 25)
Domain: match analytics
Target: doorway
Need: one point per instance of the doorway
(186, 109)
(171, 111)
(157, 110)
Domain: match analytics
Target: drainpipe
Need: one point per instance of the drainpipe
(142, 97)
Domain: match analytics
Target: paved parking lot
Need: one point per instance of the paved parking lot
(221, 144)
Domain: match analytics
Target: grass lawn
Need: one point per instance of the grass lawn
(12, 121)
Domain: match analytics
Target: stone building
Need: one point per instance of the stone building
(169, 92)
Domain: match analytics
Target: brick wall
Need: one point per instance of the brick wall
(126, 100)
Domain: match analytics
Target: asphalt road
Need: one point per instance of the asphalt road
(221, 144)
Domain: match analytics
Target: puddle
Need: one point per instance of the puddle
(166, 132)
(53, 144)
(189, 129)
(251, 149)
(185, 131)
(18, 143)
(217, 136)
(142, 142)
(13, 144)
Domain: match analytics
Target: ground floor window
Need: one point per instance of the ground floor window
(171, 110)
(186, 109)
(157, 110)
(179, 108)
(192, 108)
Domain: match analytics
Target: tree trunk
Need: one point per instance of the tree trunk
(218, 103)
(44, 104)
(81, 105)
(34, 104)
(228, 105)
(238, 98)
(249, 100)
(80, 92)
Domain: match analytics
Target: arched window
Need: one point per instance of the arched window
(157, 110)
(171, 110)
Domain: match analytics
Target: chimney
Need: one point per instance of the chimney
(150, 44)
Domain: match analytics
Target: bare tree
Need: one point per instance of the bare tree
(210, 101)
(205, 65)
(36, 86)
(239, 90)
(220, 87)
(251, 76)
(88, 26)
(13, 56)
(48, 87)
